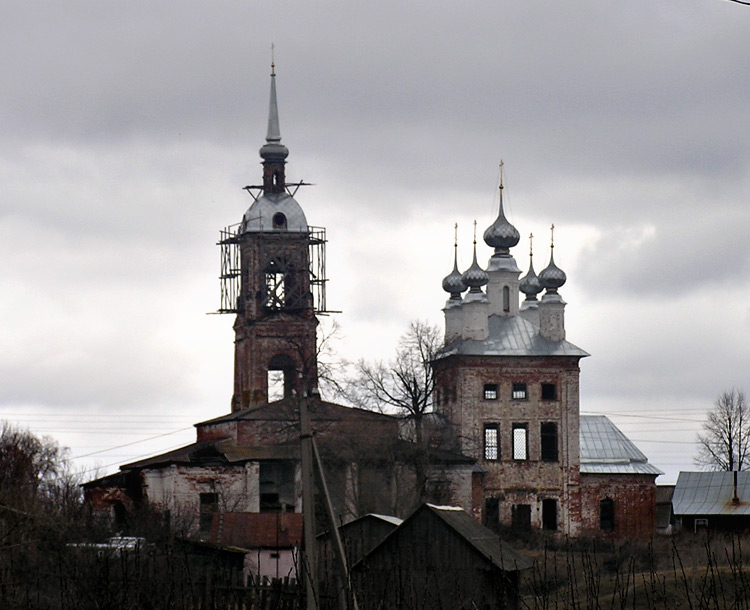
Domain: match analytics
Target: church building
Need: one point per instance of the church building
(507, 388)
(507, 381)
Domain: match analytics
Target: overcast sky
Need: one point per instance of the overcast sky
(130, 128)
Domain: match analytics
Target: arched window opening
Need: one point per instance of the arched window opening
(506, 299)
(279, 221)
(275, 279)
(281, 377)
(607, 515)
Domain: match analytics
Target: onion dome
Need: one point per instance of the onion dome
(552, 277)
(475, 277)
(501, 235)
(530, 283)
(454, 283)
(273, 150)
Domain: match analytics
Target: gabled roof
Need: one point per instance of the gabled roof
(711, 493)
(483, 540)
(606, 450)
(286, 410)
(222, 451)
(512, 336)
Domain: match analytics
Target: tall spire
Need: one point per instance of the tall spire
(273, 152)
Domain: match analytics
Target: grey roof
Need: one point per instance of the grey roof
(711, 493)
(224, 451)
(259, 217)
(606, 450)
(513, 336)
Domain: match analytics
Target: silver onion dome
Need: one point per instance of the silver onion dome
(501, 235)
(552, 277)
(454, 283)
(475, 277)
(530, 283)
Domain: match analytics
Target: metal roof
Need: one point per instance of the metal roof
(606, 450)
(259, 217)
(711, 493)
(513, 336)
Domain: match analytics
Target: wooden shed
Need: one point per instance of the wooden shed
(439, 557)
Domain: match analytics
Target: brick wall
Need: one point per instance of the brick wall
(634, 502)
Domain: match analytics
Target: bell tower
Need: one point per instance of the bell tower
(273, 278)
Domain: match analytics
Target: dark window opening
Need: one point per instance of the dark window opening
(549, 515)
(549, 442)
(279, 221)
(491, 442)
(520, 442)
(490, 391)
(519, 391)
(549, 391)
(607, 515)
(522, 517)
(506, 299)
(492, 512)
(209, 504)
(277, 492)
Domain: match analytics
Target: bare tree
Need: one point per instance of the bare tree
(406, 382)
(725, 441)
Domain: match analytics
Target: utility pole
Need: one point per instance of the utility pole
(308, 505)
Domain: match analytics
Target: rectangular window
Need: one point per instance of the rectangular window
(549, 514)
(522, 517)
(519, 391)
(520, 442)
(491, 442)
(549, 391)
(492, 513)
(490, 391)
(209, 504)
(607, 515)
(549, 442)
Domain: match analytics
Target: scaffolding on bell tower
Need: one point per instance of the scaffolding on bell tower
(230, 272)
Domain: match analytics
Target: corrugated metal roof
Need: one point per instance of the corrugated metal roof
(711, 493)
(606, 450)
(513, 336)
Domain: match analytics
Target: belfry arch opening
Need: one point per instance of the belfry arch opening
(282, 374)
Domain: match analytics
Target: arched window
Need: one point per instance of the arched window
(279, 221)
(506, 299)
(281, 377)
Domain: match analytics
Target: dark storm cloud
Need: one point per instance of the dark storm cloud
(130, 128)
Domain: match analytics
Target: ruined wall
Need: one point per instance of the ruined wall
(634, 503)
(178, 487)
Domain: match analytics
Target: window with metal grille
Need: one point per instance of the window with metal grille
(490, 391)
(549, 441)
(520, 442)
(549, 391)
(519, 391)
(491, 442)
